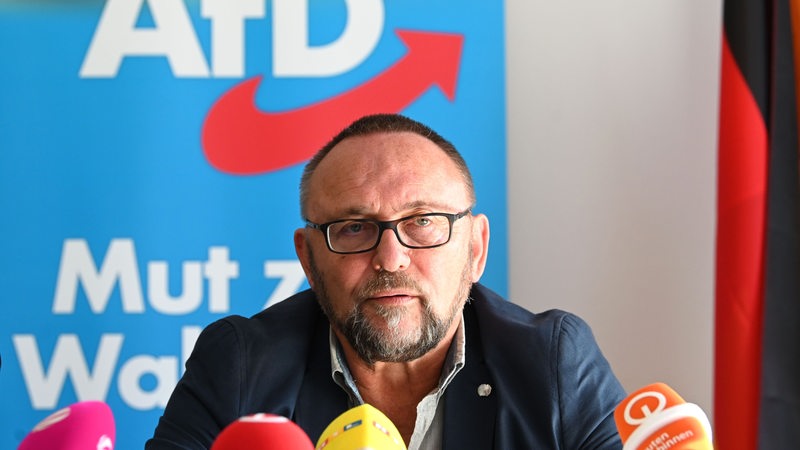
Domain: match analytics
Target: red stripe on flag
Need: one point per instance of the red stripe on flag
(741, 208)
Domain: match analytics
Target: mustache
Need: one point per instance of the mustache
(384, 281)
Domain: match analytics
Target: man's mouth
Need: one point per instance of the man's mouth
(393, 299)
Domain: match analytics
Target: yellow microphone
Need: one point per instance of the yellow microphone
(361, 428)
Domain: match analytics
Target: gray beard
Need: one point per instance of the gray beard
(372, 343)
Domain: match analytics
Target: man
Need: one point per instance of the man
(395, 318)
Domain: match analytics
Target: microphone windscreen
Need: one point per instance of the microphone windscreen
(641, 404)
(655, 416)
(262, 431)
(361, 428)
(80, 426)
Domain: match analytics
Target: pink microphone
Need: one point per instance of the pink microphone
(263, 431)
(85, 425)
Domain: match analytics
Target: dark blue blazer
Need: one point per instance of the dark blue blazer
(551, 386)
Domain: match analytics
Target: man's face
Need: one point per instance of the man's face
(392, 303)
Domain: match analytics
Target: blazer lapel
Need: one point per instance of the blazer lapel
(320, 399)
(470, 405)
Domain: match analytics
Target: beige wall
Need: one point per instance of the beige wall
(612, 116)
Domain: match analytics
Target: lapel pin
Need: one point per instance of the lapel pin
(485, 390)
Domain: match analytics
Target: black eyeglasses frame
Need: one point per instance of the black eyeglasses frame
(388, 225)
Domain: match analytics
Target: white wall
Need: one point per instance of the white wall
(612, 118)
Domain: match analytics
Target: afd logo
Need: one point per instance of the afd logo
(237, 136)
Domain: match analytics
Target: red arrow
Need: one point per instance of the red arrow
(240, 139)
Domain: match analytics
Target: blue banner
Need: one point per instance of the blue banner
(150, 153)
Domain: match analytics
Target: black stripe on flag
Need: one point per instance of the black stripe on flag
(780, 380)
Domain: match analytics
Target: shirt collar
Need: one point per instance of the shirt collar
(454, 361)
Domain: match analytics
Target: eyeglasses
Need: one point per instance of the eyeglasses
(428, 230)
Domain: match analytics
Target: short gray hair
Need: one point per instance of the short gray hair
(384, 123)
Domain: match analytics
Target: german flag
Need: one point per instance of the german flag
(757, 316)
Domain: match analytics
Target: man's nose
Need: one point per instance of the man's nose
(390, 255)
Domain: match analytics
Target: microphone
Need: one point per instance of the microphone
(80, 426)
(361, 428)
(656, 417)
(262, 431)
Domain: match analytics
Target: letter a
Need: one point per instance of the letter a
(116, 37)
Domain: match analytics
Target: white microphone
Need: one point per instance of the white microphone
(656, 417)
(87, 425)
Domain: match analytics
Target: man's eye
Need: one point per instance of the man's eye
(422, 221)
(353, 228)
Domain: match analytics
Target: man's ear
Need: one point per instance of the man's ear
(303, 253)
(480, 245)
